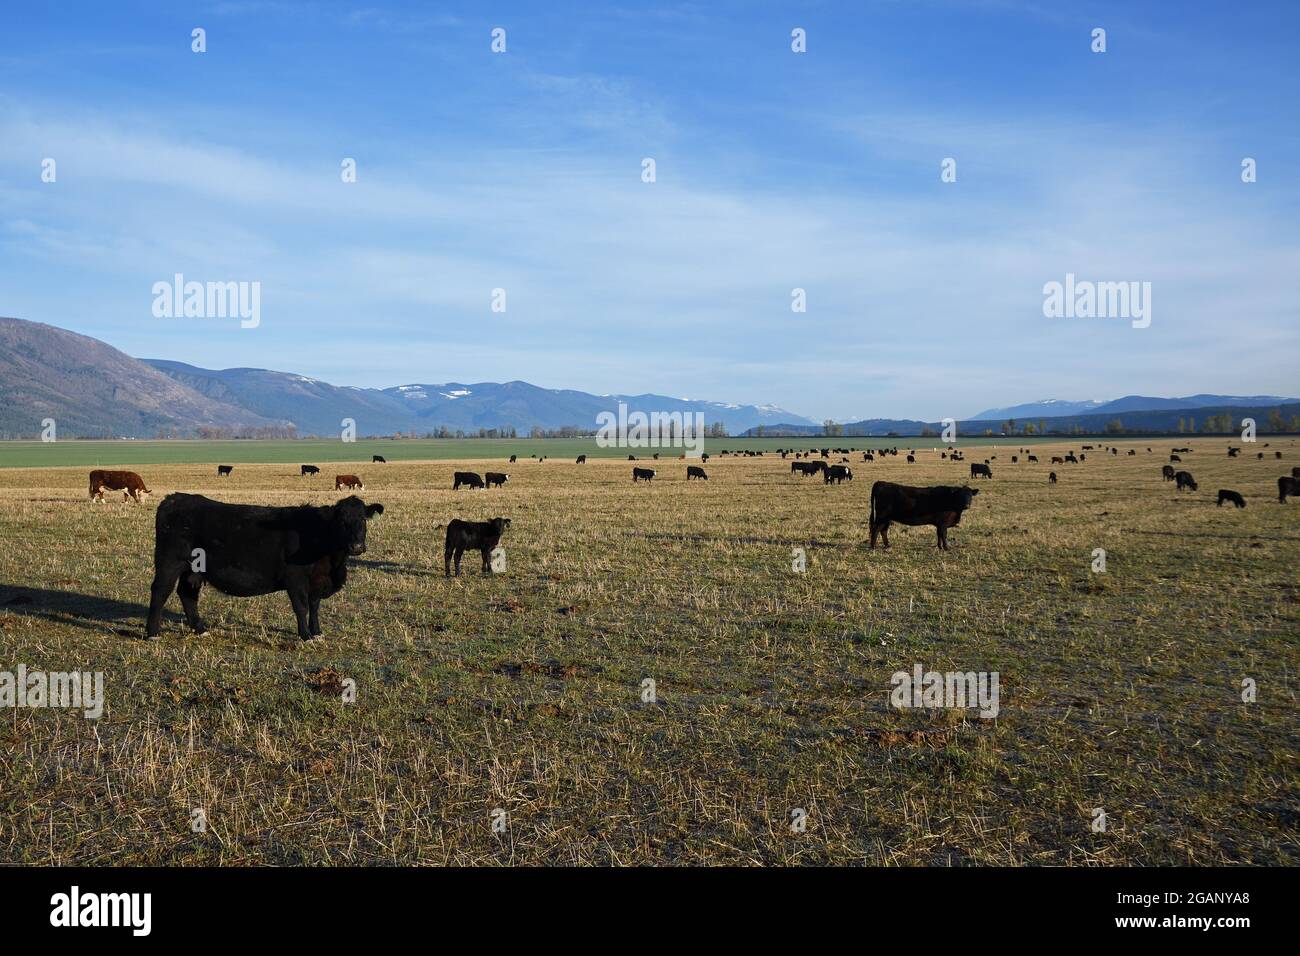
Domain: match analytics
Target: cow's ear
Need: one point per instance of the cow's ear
(974, 491)
(372, 510)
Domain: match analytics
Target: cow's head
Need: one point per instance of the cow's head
(967, 494)
(350, 517)
(499, 525)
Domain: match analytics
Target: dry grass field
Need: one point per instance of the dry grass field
(523, 690)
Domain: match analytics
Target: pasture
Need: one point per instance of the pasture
(523, 691)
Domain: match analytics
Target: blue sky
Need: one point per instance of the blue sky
(775, 170)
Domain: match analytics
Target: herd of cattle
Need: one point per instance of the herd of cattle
(247, 550)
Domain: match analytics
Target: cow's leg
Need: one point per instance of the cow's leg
(313, 616)
(187, 589)
(884, 533)
(165, 577)
(446, 559)
(487, 560)
(943, 537)
(460, 551)
(875, 530)
(298, 598)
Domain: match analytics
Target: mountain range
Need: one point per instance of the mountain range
(91, 389)
(1056, 408)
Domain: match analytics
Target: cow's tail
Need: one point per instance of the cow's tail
(872, 519)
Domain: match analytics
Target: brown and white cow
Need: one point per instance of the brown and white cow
(347, 481)
(128, 482)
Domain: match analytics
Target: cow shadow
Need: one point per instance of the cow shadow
(736, 539)
(87, 611)
(392, 567)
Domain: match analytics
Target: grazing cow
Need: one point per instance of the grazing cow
(806, 468)
(495, 479)
(380, 459)
(1232, 452)
(1175, 458)
(1051, 477)
(1115, 451)
(481, 536)
(1183, 479)
(1167, 472)
(247, 550)
(1132, 451)
(223, 471)
(347, 481)
(1071, 459)
(656, 456)
(867, 456)
(1287, 486)
(582, 460)
(466, 478)
(309, 470)
(1058, 460)
(837, 474)
(128, 482)
(940, 506)
(980, 470)
(642, 474)
(911, 459)
(695, 471)
(1033, 458)
(513, 458)
(631, 457)
(1227, 495)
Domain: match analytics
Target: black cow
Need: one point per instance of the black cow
(466, 478)
(1015, 459)
(980, 470)
(1167, 472)
(582, 460)
(1183, 479)
(495, 479)
(247, 550)
(838, 474)
(1287, 486)
(806, 468)
(309, 470)
(1295, 472)
(642, 474)
(911, 459)
(223, 471)
(867, 456)
(1176, 458)
(940, 506)
(704, 458)
(1051, 477)
(1131, 451)
(1232, 452)
(378, 458)
(481, 536)
(513, 459)
(1033, 458)
(695, 471)
(1227, 495)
